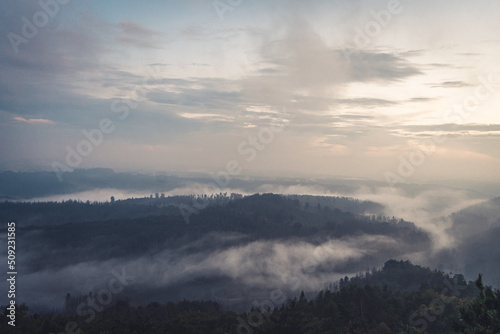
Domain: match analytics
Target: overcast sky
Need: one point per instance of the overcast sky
(389, 90)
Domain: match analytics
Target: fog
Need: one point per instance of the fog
(235, 269)
(254, 267)
(97, 195)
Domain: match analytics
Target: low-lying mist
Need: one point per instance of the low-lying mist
(301, 243)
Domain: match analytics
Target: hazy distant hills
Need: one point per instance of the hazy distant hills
(27, 185)
(477, 228)
(45, 184)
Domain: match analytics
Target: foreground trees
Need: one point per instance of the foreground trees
(482, 314)
(376, 308)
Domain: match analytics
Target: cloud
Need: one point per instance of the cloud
(452, 130)
(299, 57)
(49, 67)
(33, 120)
(452, 84)
(134, 34)
(384, 67)
(213, 76)
(366, 102)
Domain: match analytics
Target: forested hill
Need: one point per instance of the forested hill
(440, 304)
(72, 211)
(163, 218)
(236, 248)
(405, 276)
(270, 215)
(257, 217)
(233, 254)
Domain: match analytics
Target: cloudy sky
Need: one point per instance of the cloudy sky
(389, 90)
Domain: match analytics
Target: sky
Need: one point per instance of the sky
(401, 91)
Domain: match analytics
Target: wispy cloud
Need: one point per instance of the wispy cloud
(33, 120)
(133, 34)
(220, 82)
(452, 84)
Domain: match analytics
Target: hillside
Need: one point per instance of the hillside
(355, 308)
